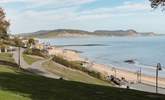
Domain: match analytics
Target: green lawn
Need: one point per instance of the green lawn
(73, 75)
(6, 95)
(30, 59)
(6, 57)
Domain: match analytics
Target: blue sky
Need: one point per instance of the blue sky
(33, 15)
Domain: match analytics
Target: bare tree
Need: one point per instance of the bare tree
(4, 24)
(157, 3)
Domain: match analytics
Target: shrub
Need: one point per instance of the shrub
(36, 52)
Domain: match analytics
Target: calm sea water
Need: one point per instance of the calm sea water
(146, 51)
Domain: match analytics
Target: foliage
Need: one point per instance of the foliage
(4, 25)
(18, 42)
(31, 42)
(36, 52)
(14, 42)
(156, 3)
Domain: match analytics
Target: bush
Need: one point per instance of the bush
(36, 52)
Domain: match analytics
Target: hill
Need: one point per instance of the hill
(18, 85)
(117, 33)
(80, 33)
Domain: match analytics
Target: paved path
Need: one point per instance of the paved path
(147, 88)
(35, 67)
(24, 65)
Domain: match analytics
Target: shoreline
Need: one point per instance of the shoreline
(130, 76)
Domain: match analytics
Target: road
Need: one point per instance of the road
(35, 67)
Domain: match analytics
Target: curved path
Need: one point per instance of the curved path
(35, 67)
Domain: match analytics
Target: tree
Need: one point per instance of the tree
(31, 42)
(18, 42)
(157, 3)
(4, 24)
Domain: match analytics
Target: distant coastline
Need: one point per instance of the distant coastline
(58, 33)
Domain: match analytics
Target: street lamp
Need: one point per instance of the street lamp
(158, 68)
(19, 57)
(139, 75)
(114, 69)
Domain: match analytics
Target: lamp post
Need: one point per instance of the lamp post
(139, 75)
(158, 68)
(114, 69)
(19, 57)
(18, 44)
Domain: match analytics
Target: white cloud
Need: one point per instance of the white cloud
(125, 8)
(45, 2)
(66, 13)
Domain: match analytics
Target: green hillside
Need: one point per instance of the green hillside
(22, 85)
(74, 33)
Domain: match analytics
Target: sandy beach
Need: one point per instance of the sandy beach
(132, 77)
(67, 54)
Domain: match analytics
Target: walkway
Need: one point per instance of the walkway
(147, 88)
(35, 67)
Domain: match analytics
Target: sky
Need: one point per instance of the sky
(33, 15)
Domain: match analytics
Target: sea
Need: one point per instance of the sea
(146, 52)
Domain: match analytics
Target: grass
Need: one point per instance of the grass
(20, 85)
(7, 94)
(73, 75)
(6, 57)
(78, 65)
(30, 59)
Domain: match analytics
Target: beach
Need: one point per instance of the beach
(128, 75)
